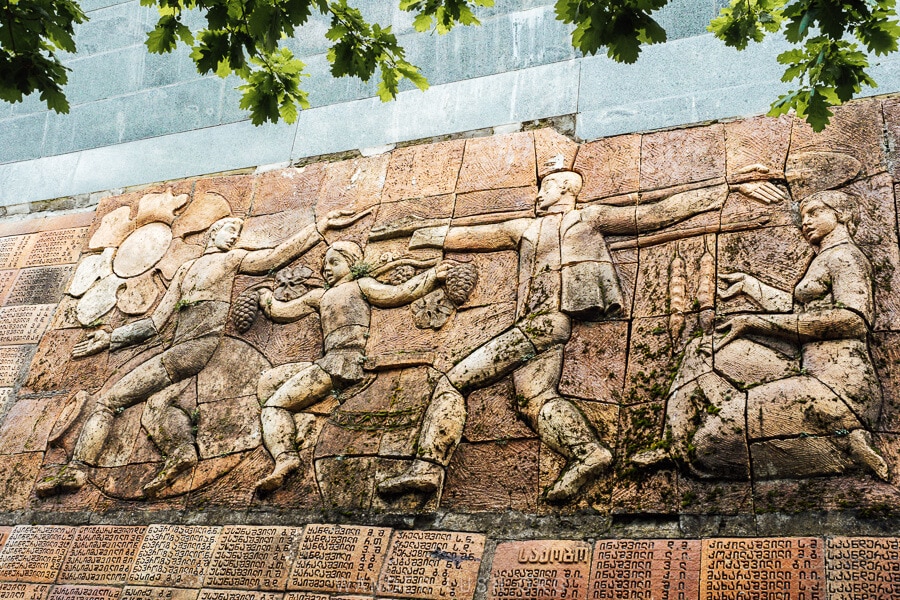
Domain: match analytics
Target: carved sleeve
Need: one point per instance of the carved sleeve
(389, 296)
(133, 333)
(286, 312)
(259, 262)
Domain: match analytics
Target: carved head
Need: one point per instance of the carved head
(823, 212)
(558, 192)
(339, 260)
(224, 233)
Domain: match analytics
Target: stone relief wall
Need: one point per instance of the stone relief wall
(696, 321)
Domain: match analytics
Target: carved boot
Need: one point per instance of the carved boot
(864, 452)
(588, 462)
(422, 476)
(175, 465)
(70, 478)
(285, 464)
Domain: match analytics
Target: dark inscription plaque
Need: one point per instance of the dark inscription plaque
(12, 251)
(253, 558)
(863, 568)
(56, 247)
(767, 568)
(34, 553)
(335, 558)
(24, 324)
(101, 554)
(306, 596)
(637, 569)
(238, 595)
(432, 565)
(23, 591)
(136, 592)
(174, 555)
(12, 359)
(540, 570)
(83, 592)
(42, 285)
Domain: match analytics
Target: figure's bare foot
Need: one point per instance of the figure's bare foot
(651, 458)
(172, 468)
(70, 478)
(577, 473)
(284, 466)
(422, 476)
(863, 450)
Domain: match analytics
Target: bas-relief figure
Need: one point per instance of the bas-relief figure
(806, 414)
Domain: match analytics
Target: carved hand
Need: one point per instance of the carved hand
(442, 269)
(338, 219)
(739, 283)
(96, 342)
(736, 327)
(762, 191)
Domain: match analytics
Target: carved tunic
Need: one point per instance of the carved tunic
(345, 316)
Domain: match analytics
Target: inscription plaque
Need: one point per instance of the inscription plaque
(139, 592)
(238, 595)
(336, 558)
(34, 553)
(863, 568)
(658, 569)
(541, 569)
(24, 324)
(432, 565)
(11, 361)
(83, 592)
(23, 591)
(174, 555)
(4, 531)
(253, 558)
(305, 596)
(42, 285)
(101, 554)
(772, 568)
(56, 247)
(6, 280)
(12, 250)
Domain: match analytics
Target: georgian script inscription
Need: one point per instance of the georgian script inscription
(4, 531)
(23, 591)
(305, 596)
(56, 247)
(158, 593)
(24, 324)
(863, 568)
(34, 553)
(544, 569)
(83, 592)
(43, 285)
(237, 595)
(101, 554)
(659, 569)
(6, 280)
(432, 565)
(12, 250)
(335, 558)
(771, 568)
(252, 558)
(11, 361)
(174, 555)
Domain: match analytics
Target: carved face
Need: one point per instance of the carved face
(336, 267)
(227, 236)
(817, 221)
(552, 191)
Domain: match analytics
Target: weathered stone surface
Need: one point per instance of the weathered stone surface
(174, 555)
(142, 249)
(541, 569)
(232, 372)
(179, 253)
(52, 367)
(493, 476)
(7, 277)
(342, 559)
(26, 591)
(204, 210)
(682, 156)
(113, 228)
(455, 555)
(134, 592)
(228, 482)
(13, 250)
(610, 167)
(267, 231)
(492, 414)
(83, 592)
(90, 269)
(99, 300)
(139, 294)
(206, 594)
(352, 184)
(27, 425)
(519, 200)
(421, 171)
(645, 568)
(159, 208)
(757, 141)
(39, 285)
(24, 324)
(265, 555)
(17, 474)
(856, 129)
(861, 567)
(288, 189)
(236, 189)
(502, 161)
(55, 247)
(12, 359)
(595, 361)
(553, 152)
(796, 568)
(34, 553)
(228, 425)
(117, 546)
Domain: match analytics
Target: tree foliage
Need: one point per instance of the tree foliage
(833, 41)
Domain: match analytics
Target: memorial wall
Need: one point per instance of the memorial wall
(658, 365)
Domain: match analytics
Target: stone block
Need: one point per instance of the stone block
(24, 324)
(339, 559)
(456, 556)
(492, 415)
(174, 555)
(26, 591)
(88, 592)
(14, 250)
(542, 569)
(288, 189)
(645, 568)
(502, 161)
(134, 592)
(423, 170)
(264, 553)
(860, 567)
(27, 425)
(34, 553)
(22, 137)
(57, 247)
(757, 141)
(670, 158)
(505, 200)
(105, 75)
(39, 285)
(595, 360)
(610, 167)
(493, 477)
(117, 546)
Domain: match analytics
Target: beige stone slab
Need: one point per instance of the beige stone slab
(24, 324)
(432, 565)
(540, 569)
(337, 558)
(681, 156)
(610, 167)
(4, 535)
(352, 184)
(13, 250)
(24, 591)
(18, 473)
(137, 592)
(500, 161)
(39, 285)
(101, 554)
(174, 555)
(28, 424)
(645, 569)
(7, 277)
(287, 189)
(485, 202)
(423, 170)
(83, 592)
(792, 567)
(253, 558)
(58, 247)
(207, 594)
(553, 151)
(758, 141)
(493, 477)
(12, 359)
(236, 189)
(34, 553)
(860, 568)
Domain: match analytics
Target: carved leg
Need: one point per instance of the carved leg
(306, 387)
(170, 429)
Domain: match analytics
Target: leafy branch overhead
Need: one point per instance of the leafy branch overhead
(833, 40)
